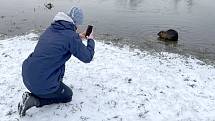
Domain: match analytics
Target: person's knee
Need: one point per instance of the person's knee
(67, 99)
(67, 92)
(68, 95)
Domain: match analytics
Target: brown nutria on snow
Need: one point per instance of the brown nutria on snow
(170, 34)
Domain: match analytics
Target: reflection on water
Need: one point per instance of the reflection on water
(134, 3)
(187, 3)
(190, 3)
(135, 22)
(131, 4)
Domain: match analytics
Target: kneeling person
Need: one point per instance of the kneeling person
(43, 70)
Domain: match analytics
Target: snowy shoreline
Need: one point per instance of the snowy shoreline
(118, 85)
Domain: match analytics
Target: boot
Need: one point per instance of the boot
(28, 101)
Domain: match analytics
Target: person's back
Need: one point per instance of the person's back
(46, 63)
(44, 69)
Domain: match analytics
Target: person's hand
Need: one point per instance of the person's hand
(82, 35)
(91, 36)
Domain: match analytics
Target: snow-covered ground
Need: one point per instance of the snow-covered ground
(118, 85)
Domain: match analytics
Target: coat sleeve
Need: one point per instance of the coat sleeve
(82, 52)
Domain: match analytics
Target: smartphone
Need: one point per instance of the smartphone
(89, 30)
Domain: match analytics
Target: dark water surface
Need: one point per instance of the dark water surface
(124, 22)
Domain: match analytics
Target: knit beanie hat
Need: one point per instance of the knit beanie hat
(77, 15)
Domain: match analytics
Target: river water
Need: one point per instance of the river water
(133, 23)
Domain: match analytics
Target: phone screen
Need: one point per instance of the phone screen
(89, 30)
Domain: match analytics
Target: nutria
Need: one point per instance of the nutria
(170, 34)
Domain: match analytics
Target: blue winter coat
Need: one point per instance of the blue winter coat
(44, 68)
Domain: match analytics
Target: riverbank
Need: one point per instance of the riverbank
(118, 85)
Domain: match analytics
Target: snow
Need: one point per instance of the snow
(118, 85)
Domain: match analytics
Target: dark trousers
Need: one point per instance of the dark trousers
(62, 95)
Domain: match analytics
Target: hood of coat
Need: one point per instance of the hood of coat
(61, 16)
(62, 21)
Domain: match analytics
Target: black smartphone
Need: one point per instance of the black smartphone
(89, 30)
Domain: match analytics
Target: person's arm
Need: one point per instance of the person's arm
(82, 52)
